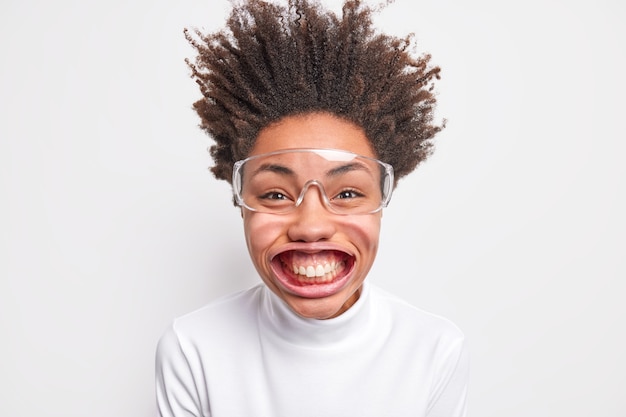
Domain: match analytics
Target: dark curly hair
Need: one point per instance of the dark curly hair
(273, 61)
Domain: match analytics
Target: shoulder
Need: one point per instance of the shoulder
(411, 320)
(431, 342)
(224, 317)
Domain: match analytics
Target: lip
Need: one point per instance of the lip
(286, 279)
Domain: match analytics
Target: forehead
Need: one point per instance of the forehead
(316, 130)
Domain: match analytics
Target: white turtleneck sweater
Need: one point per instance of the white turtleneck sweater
(249, 355)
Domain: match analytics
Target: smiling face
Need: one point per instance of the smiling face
(313, 259)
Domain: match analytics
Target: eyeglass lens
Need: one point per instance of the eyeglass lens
(278, 182)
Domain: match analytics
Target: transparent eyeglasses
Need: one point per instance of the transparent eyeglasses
(277, 182)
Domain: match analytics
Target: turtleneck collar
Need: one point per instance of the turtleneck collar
(283, 324)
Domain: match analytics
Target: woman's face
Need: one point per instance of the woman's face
(311, 237)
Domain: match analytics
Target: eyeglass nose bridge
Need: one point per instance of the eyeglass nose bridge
(320, 187)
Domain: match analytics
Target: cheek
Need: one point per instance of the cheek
(261, 230)
(363, 231)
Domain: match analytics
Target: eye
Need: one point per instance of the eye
(346, 194)
(273, 195)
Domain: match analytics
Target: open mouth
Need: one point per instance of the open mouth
(319, 268)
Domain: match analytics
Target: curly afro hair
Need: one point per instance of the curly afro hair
(273, 61)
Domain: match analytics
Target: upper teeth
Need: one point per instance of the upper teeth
(314, 271)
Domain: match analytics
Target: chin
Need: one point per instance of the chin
(321, 308)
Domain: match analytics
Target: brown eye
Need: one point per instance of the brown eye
(348, 194)
(274, 195)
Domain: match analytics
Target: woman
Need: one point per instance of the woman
(315, 118)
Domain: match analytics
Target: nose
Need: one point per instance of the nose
(311, 219)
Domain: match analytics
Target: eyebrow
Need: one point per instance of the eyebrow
(342, 169)
(286, 171)
(283, 170)
(279, 169)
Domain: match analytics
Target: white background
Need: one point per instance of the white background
(111, 224)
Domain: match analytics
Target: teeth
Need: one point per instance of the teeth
(319, 273)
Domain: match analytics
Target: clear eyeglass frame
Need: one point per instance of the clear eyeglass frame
(374, 181)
